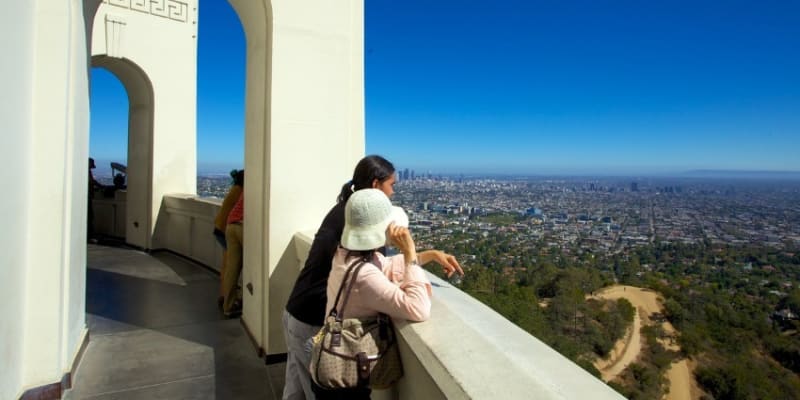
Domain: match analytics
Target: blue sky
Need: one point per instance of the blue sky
(539, 87)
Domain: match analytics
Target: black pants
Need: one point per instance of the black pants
(341, 394)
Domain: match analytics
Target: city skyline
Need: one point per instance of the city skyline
(534, 88)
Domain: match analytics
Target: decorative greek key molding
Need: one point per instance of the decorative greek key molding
(176, 10)
(115, 30)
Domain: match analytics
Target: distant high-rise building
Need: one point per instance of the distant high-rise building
(634, 187)
(405, 174)
(412, 174)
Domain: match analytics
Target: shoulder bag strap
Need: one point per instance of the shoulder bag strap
(350, 287)
(334, 311)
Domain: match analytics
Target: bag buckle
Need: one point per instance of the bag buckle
(362, 364)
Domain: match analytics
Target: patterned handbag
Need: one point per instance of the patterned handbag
(355, 352)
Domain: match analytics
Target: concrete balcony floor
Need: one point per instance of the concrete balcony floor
(155, 332)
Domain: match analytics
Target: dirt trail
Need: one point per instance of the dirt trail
(679, 377)
(624, 352)
(628, 348)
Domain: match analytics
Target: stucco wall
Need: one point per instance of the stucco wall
(318, 119)
(304, 132)
(154, 54)
(185, 225)
(43, 156)
(73, 295)
(16, 79)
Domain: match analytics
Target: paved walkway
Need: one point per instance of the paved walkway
(156, 333)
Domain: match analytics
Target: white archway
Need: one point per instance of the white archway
(138, 213)
(304, 133)
(151, 46)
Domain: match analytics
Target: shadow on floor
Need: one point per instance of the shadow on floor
(156, 332)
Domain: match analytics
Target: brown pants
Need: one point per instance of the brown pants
(233, 267)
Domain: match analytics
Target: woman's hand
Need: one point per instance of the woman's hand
(401, 238)
(447, 261)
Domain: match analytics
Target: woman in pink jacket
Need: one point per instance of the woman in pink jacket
(395, 285)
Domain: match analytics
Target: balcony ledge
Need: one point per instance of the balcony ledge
(467, 350)
(471, 351)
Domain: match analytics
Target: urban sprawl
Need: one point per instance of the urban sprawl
(601, 215)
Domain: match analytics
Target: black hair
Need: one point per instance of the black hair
(238, 177)
(367, 170)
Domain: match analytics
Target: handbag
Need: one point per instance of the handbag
(355, 352)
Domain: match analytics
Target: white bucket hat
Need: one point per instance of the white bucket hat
(399, 216)
(367, 214)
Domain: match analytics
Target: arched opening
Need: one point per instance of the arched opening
(256, 19)
(108, 148)
(304, 80)
(137, 198)
(220, 97)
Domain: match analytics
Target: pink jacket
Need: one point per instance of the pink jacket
(388, 287)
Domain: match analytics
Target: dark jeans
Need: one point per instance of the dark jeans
(220, 235)
(341, 394)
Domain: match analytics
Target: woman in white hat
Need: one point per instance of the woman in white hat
(396, 286)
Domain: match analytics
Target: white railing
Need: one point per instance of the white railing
(185, 225)
(109, 213)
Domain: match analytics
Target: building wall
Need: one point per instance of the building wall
(73, 296)
(43, 156)
(184, 226)
(16, 79)
(153, 43)
(318, 116)
(304, 133)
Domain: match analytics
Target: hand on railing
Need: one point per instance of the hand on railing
(448, 261)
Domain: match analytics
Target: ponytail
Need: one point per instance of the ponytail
(367, 170)
(347, 190)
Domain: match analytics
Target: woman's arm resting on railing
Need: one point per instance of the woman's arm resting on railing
(447, 261)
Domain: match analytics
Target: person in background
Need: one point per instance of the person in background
(221, 222)
(93, 184)
(234, 235)
(119, 182)
(305, 310)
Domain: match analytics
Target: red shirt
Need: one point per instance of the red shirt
(237, 213)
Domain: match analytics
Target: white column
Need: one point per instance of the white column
(44, 163)
(17, 38)
(304, 133)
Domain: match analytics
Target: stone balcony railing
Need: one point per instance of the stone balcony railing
(109, 213)
(185, 225)
(465, 350)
